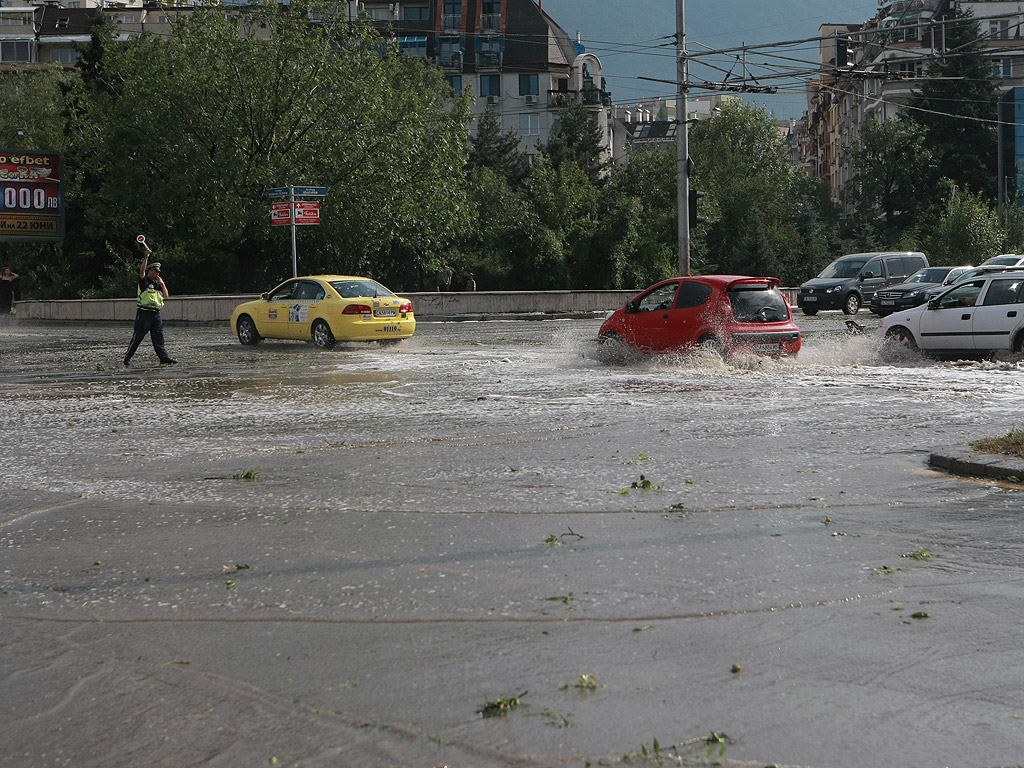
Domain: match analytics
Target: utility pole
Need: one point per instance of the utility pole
(682, 143)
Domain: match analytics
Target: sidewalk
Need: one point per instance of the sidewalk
(964, 460)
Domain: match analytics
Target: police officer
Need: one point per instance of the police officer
(151, 294)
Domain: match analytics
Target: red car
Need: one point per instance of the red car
(727, 313)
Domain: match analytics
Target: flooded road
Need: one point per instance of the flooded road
(278, 555)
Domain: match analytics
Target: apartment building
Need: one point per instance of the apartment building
(869, 71)
(510, 55)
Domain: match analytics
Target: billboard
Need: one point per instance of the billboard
(31, 196)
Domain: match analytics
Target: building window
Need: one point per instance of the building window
(64, 55)
(15, 19)
(490, 85)
(911, 68)
(75, 4)
(12, 51)
(380, 14)
(999, 29)
(528, 85)
(413, 46)
(416, 13)
(529, 125)
(126, 18)
(455, 83)
(1002, 68)
(489, 51)
(449, 52)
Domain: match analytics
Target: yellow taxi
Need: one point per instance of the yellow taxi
(325, 309)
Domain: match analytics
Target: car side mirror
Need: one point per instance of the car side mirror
(265, 296)
(933, 303)
(631, 306)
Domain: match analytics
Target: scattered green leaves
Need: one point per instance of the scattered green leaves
(644, 628)
(556, 720)
(920, 615)
(567, 599)
(640, 457)
(644, 484)
(230, 584)
(719, 740)
(249, 474)
(884, 570)
(501, 707)
(920, 554)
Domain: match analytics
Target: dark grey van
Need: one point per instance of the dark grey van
(850, 281)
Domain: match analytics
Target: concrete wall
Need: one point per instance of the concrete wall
(428, 306)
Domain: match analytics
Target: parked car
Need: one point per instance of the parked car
(972, 318)
(325, 309)
(850, 281)
(1006, 260)
(915, 290)
(726, 313)
(970, 274)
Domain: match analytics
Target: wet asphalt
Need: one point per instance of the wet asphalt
(284, 556)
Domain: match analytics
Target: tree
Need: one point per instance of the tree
(576, 139)
(957, 106)
(184, 135)
(496, 150)
(892, 168)
(966, 230)
(755, 198)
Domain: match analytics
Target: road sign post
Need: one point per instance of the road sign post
(295, 213)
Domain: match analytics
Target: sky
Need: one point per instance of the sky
(635, 38)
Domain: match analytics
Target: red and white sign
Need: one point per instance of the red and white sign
(280, 213)
(307, 213)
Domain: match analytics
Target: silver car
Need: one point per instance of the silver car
(972, 318)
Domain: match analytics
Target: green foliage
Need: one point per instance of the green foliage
(957, 106)
(196, 126)
(496, 150)
(893, 165)
(763, 217)
(576, 139)
(967, 229)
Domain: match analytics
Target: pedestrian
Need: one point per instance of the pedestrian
(470, 283)
(7, 291)
(152, 291)
(444, 279)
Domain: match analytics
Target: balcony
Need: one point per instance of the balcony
(451, 22)
(488, 59)
(490, 22)
(590, 97)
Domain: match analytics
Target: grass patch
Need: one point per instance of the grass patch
(1010, 445)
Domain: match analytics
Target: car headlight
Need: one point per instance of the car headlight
(913, 294)
(833, 289)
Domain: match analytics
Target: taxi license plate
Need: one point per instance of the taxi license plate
(767, 347)
(385, 313)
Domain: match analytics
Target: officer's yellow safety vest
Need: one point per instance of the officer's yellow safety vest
(150, 299)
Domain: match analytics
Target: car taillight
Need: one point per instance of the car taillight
(357, 309)
(407, 307)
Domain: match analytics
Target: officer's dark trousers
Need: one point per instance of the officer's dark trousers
(149, 322)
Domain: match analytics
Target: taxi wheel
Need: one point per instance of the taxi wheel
(322, 335)
(247, 333)
(851, 305)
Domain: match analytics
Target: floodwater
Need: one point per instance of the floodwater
(284, 556)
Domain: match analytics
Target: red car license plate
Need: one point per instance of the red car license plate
(767, 347)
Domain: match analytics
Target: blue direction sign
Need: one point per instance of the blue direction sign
(311, 191)
(278, 192)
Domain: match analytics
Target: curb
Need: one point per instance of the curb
(964, 460)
